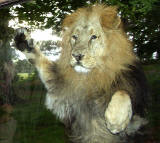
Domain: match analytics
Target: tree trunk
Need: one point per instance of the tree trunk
(6, 65)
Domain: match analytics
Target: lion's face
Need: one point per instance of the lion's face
(94, 39)
(87, 46)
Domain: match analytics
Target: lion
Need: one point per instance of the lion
(97, 88)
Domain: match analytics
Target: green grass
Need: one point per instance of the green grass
(23, 76)
(35, 124)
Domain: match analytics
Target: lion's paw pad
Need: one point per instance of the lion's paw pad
(23, 40)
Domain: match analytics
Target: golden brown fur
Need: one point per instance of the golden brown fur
(97, 62)
(119, 52)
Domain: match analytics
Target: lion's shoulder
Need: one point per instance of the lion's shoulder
(135, 83)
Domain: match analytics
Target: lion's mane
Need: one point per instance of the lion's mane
(120, 69)
(81, 99)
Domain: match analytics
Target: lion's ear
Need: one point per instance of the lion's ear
(109, 18)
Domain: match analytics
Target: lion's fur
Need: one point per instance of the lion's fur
(80, 99)
(119, 53)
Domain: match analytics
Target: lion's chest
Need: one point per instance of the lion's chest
(83, 114)
(75, 104)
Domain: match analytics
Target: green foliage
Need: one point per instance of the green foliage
(145, 30)
(37, 12)
(28, 82)
(47, 13)
(23, 66)
(141, 19)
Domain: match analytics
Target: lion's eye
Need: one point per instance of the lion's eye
(75, 37)
(93, 37)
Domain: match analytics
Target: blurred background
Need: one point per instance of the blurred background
(23, 117)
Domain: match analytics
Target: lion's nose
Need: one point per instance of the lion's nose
(78, 57)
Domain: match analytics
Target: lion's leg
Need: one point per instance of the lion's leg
(26, 45)
(119, 112)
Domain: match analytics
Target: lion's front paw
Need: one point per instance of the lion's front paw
(23, 41)
(118, 112)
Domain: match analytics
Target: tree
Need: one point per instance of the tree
(6, 70)
(140, 16)
(145, 29)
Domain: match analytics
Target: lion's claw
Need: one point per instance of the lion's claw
(23, 41)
